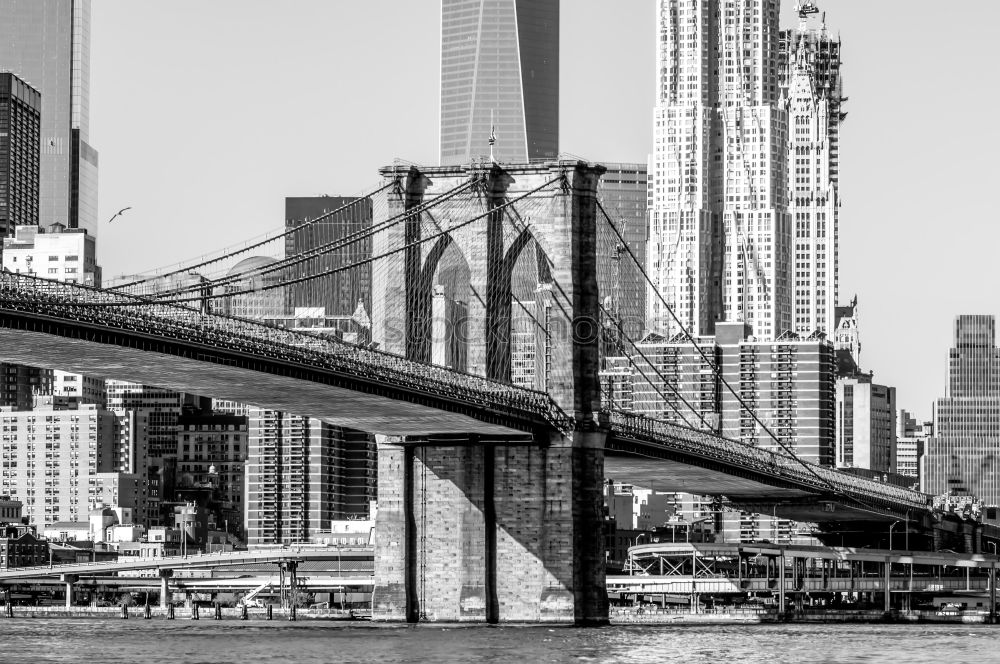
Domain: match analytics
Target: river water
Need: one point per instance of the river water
(211, 642)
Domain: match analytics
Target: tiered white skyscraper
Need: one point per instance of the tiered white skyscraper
(809, 77)
(720, 233)
(734, 215)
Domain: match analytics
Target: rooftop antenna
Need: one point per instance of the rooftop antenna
(493, 137)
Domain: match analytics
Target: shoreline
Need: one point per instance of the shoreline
(616, 619)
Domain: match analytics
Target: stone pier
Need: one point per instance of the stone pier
(490, 531)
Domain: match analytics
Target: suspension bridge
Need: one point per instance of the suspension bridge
(479, 306)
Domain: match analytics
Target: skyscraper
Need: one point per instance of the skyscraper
(339, 293)
(20, 126)
(809, 78)
(962, 456)
(301, 473)
(720, 234)
(47, 44)
(499, 68)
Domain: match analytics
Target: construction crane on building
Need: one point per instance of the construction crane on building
(806, 8)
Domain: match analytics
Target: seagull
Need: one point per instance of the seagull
(118, 214)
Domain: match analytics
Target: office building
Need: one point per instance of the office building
(623, 191)
(53, 252)
(673, 381)
(21, 384)
(61, 254)
(911, 437)
(51, 456)
(499, 76)
(154, 436)
(20, 129)
(253, 293)
(161, 409)
(810, 88)
(866, 424)
(847, 339)
(303, 473)
(122, 493)
(211, 455)
(340, 293)
(788, 384)
(961, 457)
(47, 44)
(720, 235)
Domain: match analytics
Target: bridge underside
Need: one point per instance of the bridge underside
(382, 409)
(743, 488)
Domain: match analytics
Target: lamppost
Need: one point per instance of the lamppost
(894, 524)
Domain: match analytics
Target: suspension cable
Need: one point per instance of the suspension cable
(316, 252)
(261, 243)
(717, 369)
(266, 287)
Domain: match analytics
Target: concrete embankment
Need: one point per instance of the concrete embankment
(654, 617)
(179, 613)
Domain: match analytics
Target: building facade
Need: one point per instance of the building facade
(673, 381)
(47, 44)
(911, 437)
(963, 456)
(811, 91)
(720, 234)
(253, 292)
(302, 473)
(866, 424)
(212, 454)
(50, 457)
(61, 254)
(788, 384)
(339, 293)
(499, 76)
(20, 131)
(623, 191)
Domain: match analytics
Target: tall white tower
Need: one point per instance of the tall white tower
(720, 234)
(810, 83)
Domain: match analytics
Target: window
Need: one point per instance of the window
(53, 258)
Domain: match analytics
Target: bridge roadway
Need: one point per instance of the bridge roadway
(87, 330)
(109, 335)
(212, 560)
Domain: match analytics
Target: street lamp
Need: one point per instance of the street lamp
(894, 524)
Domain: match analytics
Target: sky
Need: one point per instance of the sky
(208, 114)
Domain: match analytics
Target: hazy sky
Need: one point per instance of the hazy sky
(207, 114)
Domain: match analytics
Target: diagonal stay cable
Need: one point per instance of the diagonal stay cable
(139, 301)
(652, 366)
(255, 245)
(716, 368)
(322, 250)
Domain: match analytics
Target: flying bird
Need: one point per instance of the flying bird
(118, 214)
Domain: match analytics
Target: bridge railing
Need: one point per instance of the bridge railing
(704, 444)
(117, 310)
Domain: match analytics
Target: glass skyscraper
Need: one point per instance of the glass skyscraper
(962, 456)
(499, 68)
(47, 44)
(20, 113)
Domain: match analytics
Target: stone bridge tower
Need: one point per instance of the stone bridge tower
(503, 528)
